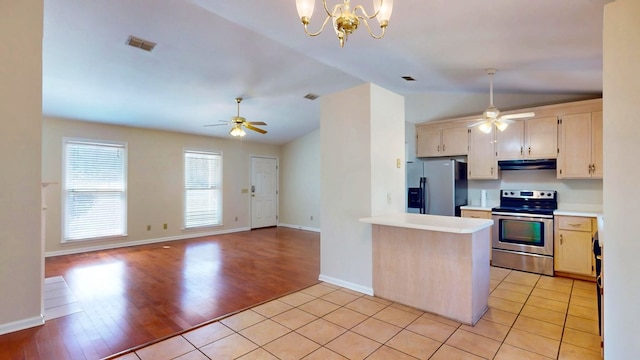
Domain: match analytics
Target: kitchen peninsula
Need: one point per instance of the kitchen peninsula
(438, 264)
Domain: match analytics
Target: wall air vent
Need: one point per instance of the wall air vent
(408, 78)
(311, 96)
(140, 43)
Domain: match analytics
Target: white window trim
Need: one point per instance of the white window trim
(125, 146)
(184, 187)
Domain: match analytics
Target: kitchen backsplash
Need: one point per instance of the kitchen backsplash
(569, 191)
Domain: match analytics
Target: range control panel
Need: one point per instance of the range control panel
(529, 194)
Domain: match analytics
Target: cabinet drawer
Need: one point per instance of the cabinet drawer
(575, 223)
(476, 214)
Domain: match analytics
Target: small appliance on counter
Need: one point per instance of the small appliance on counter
(523, 230)
(436, 187)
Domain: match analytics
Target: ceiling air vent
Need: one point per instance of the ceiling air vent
(408, 78)
(311, 96)
(140, 43)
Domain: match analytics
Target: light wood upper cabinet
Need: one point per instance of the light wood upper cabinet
(434, 140)
(580, 146)
(482, 163)
(573, 245)
(528, 139)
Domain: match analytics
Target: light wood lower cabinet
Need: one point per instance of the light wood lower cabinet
(573, 245)
(480, 214)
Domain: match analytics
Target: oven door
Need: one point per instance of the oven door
(523, 232)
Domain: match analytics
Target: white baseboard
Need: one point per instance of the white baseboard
(345, 284)
(141, 242)
(21, 324)
(299, 227)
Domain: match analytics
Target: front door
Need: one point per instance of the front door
(264, 192)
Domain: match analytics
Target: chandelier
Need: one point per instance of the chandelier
(345, 19)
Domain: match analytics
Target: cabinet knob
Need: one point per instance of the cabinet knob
(443, 145)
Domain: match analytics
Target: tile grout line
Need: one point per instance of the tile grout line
(390, 304)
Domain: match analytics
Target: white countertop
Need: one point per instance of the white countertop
(586, 210)
(476, 207)
(450, 224)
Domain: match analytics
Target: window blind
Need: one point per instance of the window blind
(203, 193)
(95, 190)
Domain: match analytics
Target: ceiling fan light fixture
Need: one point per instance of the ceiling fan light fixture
(485, 127)
(345, 18)
(501, 125)
(237, 131)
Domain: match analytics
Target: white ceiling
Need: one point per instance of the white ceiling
(211, 51)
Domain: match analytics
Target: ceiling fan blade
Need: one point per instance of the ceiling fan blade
(517, 116)
(256, 123)
(222, 122)
(251, 127)
(479, 121)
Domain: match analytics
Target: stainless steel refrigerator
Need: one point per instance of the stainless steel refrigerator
(436, 186)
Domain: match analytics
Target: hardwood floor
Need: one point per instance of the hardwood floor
(136, 295)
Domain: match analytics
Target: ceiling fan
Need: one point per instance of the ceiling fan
(492, 117)
(237, 122)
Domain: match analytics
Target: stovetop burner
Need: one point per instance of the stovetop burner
(539, 202)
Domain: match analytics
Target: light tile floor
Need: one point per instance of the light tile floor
(529, 317)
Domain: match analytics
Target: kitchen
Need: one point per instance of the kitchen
(553, 132)
(546, 214)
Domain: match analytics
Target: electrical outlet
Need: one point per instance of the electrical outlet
(148, 227)
(398, 164)
(164, 226)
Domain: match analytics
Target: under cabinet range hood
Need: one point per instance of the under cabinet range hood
(540, 164)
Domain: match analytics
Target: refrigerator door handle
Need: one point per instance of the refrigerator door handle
(427, 196)
(422, 195)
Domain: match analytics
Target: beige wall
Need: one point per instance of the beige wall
(358, 171)
(21, 262)
(155, 181)
(300, 183)
(621, 111)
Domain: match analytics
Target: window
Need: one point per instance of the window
(95, 189)
(202, 189)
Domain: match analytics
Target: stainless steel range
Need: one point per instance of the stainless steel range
(523, 230)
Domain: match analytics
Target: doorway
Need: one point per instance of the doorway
(264, 192)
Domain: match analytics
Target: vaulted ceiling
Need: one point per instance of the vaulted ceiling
(211, 51)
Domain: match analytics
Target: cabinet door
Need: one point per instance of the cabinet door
(455, 141)
(596, 144)
(428, 141)
(541, 138)
(574, 159)
(482, 162)
(574, 252)
(510, 142)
